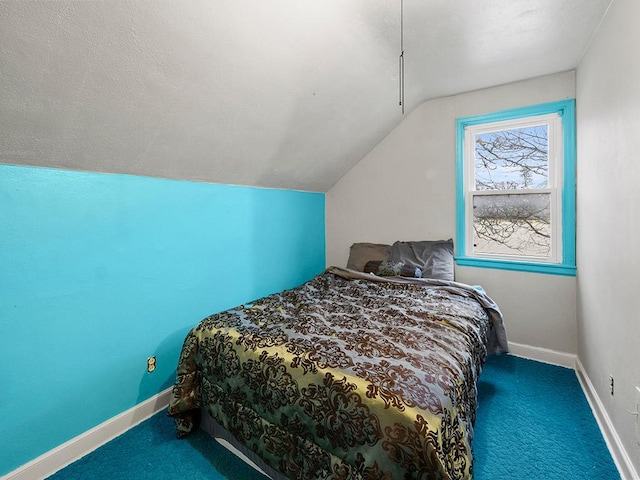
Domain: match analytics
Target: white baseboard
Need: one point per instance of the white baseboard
(544, 355)
(618, 452)
(61, 456)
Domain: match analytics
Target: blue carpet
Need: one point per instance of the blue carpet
(533, 423)
(151, 451)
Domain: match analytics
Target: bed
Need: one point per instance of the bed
(356, 374)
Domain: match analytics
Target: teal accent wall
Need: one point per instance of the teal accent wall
(100, 271)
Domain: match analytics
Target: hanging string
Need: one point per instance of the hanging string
(401, 59)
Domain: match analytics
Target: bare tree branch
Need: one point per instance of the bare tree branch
(510, 160)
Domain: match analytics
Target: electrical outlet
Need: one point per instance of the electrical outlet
(611, 385)
(151, 364)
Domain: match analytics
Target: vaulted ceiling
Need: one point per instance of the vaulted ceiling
(273, 93)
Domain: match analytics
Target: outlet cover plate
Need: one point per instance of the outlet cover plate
(151, 364)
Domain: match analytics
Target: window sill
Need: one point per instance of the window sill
(547, 268)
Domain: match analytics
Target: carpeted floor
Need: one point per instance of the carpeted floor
(533, 423)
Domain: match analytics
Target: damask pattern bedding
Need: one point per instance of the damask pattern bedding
(349, 376)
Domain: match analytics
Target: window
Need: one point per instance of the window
(516, 189)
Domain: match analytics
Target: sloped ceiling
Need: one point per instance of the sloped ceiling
(273, 93)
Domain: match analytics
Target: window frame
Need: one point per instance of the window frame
(564, 262)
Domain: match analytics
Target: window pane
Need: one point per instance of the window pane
(512, 224)
(512, 159)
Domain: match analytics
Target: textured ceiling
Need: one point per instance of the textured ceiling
(278, 93)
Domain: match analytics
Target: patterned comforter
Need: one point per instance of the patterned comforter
(349, 376)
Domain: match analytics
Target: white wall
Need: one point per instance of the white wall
(608, 282)
(404, 189)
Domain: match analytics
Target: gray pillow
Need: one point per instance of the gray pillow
(434, 258)
(361, 253)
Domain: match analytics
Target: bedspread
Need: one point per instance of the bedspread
(348, 376)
